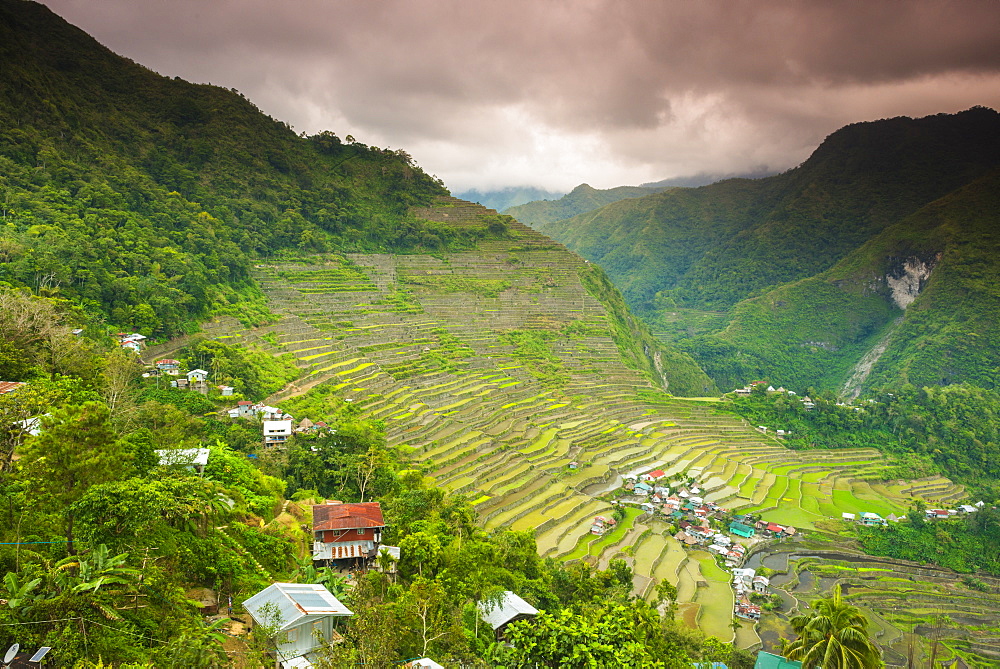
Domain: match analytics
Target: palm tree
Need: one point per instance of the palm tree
(833, 635)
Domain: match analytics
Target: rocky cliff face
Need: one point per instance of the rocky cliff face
(906, 281)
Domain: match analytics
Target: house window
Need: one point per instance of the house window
(292, 635)
(360, 531)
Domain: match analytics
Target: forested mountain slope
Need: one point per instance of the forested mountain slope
(145, 197)
(926, 288)
(710, 247)
(582, 199)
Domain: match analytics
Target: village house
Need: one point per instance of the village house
(168, 366)
(276, 431)
(653, 475)
(270, 413)
(304, 615)
(741, 530)
(197, 376)
(686, 538)
(760, 584)
(743, 579)
(770, 661)
(747, 611)
(508, 609)
(602, 525)
(346, 531)
(226, 390)
(871, 519)
(244, 409)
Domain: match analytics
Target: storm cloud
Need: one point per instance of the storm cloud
(552, 93)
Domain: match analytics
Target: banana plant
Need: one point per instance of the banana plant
(19, 593)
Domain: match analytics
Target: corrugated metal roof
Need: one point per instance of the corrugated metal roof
(347, 516)
(509, 607)
(8, 386)
(294, 603)
(183, 456)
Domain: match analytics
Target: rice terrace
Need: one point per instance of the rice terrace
(502, 373)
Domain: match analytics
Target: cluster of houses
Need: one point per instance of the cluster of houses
(870, 519)
(602, 525)
(962, 510)
(746, 390)
(656, 497)
(196, 379)
(745, 582)
(277, 427)
(307, 615)
(134, 342)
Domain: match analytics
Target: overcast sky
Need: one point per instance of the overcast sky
(553, 93)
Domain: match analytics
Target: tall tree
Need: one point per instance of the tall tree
(834, 635)
(75, 450)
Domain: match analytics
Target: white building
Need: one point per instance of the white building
(302, 613)
(197, 376)
(508, 609)
(277, 431)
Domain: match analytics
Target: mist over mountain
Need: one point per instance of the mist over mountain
(704, 179)
(501, 200)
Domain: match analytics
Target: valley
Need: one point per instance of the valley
(426, 345)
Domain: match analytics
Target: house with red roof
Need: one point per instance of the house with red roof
(346, 531)
(654, 475)
(168, 366)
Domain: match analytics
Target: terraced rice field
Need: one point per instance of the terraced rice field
(910, 606)
(428, 357)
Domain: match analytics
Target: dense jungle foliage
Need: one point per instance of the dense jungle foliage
(107, 552)
(145, 199)
(952, 429)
